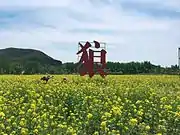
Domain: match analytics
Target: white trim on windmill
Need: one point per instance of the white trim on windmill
(102, 46)
(179, 57)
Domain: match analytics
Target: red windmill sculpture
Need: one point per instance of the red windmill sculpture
(88, 59)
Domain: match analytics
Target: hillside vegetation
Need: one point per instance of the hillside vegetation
(29, 61)
(15, 61)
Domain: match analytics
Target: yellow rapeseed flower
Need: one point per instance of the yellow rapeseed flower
(159, 134)
(24, 131)
(133, 122)
(116, 110)
(147, 128)
(89, 116)
(2, 115)
(103, 124)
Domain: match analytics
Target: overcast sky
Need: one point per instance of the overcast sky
(134, 30)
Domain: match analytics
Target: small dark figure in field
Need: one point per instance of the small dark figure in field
(46, 78)
(65, 79)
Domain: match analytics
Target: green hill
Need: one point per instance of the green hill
(16, 60)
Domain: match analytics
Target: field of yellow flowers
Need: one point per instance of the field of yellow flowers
(125, 105)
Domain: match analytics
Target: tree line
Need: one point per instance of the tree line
(115, 68)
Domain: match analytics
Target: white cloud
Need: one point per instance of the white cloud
(134, 36)
(35, 3)
(168, 4)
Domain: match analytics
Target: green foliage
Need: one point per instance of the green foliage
(15, 61)
(28, 61)
(125, 105)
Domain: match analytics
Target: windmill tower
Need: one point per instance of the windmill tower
(179, 57)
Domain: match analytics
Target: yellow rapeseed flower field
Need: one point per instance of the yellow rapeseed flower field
(116, 105)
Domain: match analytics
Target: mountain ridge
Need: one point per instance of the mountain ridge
(27, 59)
